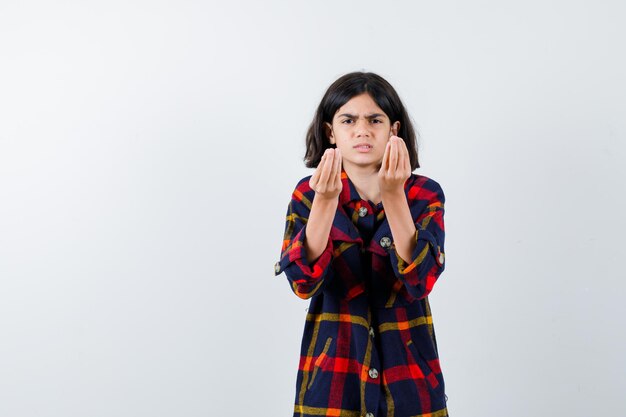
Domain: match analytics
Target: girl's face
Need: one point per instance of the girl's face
(361, 130)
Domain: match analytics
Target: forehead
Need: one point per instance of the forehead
(360, 105)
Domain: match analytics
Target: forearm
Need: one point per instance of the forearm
(318, 226)
(401, 223)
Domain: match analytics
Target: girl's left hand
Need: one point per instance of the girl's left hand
(396, 166)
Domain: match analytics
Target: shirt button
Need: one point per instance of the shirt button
(385, 242)
(373, 373)
(369, 415)
(441, 257)
(372, 332)
(277, 268)
(363, 211)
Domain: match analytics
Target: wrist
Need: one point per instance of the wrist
(392, 193)
(320, 199)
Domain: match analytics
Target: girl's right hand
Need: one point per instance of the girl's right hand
(326, 180)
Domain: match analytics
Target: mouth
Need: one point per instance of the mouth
(363, 147)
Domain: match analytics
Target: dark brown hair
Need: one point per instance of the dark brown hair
(338, 94)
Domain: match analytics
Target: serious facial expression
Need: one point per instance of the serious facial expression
(361, 130)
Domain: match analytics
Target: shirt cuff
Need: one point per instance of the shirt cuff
(426, 248)
(295, 260)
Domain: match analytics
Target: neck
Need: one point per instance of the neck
(365, 180)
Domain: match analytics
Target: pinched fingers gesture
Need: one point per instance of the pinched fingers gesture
(396, 166)
(326, 180)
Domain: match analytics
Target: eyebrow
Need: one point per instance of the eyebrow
(352, 116)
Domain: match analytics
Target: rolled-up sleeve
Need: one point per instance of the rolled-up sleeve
(306, 278)
(428, 258)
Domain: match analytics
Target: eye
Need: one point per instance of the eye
(376, 121)
(347, 120)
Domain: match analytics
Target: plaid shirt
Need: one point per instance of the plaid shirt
(369, 346)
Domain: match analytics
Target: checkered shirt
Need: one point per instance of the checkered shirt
(369, 346)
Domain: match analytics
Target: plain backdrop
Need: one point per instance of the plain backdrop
(148, 151)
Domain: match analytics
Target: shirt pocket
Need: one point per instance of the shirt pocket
(319, 362)
(423, 370)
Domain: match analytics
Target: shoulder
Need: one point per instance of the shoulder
(303, 187)
(303, 184)
(302, 194)
(421, 187)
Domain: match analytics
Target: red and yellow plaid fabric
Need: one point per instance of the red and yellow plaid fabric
(369, 346)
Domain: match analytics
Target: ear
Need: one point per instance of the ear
(395, 128)
(329, 133)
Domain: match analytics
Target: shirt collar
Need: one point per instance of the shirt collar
(348, 190)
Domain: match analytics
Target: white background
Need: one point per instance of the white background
(148, 151)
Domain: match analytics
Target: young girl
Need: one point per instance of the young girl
(364, 242)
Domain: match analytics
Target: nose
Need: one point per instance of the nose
(361, 128)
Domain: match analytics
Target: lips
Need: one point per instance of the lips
(363, 147)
